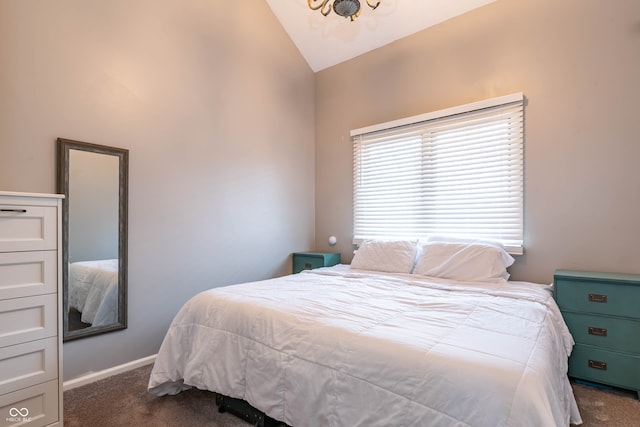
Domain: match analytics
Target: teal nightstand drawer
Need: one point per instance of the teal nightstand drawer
(604, 293)
(605, 332)
(311, 260)
(602, 314)
(608, 367)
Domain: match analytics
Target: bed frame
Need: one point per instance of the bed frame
(241, 409)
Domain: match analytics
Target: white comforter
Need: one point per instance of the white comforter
(341, 347)
(93, 290)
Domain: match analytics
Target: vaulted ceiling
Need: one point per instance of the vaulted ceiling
(326, 41)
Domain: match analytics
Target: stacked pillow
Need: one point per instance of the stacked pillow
(438, 256)
(390, 256)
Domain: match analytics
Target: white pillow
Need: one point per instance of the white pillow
(478, 262)
(391, 256)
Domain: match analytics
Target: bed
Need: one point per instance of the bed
(381, 343)
(93, 291)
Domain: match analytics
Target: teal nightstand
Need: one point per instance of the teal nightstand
(310, 260)
(602, 311)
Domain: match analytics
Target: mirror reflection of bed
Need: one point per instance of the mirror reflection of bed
(93, 239)
(93, 293)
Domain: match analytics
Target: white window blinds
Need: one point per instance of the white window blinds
(453, 172)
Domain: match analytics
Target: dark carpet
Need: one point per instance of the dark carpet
(123, 400)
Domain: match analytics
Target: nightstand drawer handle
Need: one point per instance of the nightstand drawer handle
(14, 210)
(601, 332)
(597, 298)
(598, 365)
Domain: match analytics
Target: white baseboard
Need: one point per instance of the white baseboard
(95, 376)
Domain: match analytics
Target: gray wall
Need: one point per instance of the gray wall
(216, 106)
(577, 63)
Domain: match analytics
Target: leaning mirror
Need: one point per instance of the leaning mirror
(94, 180)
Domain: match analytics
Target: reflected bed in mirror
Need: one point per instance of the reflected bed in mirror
(94, 179)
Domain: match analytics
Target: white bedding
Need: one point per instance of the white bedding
(341, 347)
(93, 290)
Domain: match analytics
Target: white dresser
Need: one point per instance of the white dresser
(30, 307)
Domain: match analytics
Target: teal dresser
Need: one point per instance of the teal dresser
(310, 260)
(602, 311)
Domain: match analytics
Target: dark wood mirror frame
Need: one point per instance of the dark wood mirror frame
(63, 148)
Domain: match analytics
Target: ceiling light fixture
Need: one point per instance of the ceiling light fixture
(347, 8)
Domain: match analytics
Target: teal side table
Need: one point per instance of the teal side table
(311, 260)
(602, 311)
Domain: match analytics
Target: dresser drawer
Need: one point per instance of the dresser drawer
(28, 319)
(305, 262)
(606, 332)
(311, 260)
(35, 406)
(28, 273)
(604, 366)
(28, 364)
(27, 228)
(598, 297)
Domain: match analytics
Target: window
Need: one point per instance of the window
(452, 172)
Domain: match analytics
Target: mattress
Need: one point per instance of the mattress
(343, 347)
(93, 290)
